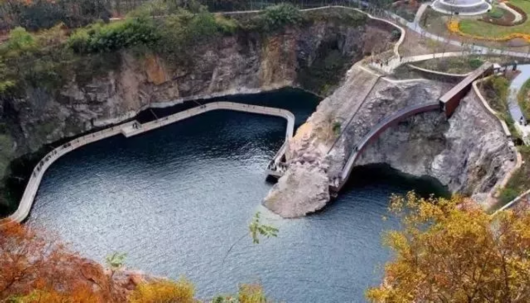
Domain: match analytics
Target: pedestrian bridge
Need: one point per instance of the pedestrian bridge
(338, 183)
(447, 103)
(450, 100)
(130, 129)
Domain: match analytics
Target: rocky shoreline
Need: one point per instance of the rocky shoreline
(468, 153)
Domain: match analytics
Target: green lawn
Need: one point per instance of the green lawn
(479, 28)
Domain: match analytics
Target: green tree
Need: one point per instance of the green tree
(453, 251)
(258, 229)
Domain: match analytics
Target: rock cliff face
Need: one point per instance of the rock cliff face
(242, 63)
(468, 153)
(230, 65)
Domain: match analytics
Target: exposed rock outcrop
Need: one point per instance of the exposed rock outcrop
(126, 83)
(468, 153)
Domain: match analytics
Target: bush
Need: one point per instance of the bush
(475, 63)
(522, 99)
(20, 41)
(100, 38)
(248, 293)
(500, 86)
(278, 16)
(164, 291)
(181, 33)
(507, 195)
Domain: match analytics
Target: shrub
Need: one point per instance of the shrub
(475, 63)
(507, 195)
(522, 99)
(278, 16)
(110, 37)
(248, 293)
(336, 128)
(226, 25)
(20, 41)
(163, 291)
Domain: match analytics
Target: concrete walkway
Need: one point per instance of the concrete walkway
(131, 129)
(518, 17)
(419, 13)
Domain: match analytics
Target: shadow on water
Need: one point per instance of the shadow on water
(373, 173)
(367, 176)
(301, 103)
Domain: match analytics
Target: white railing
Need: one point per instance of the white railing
(128, 130)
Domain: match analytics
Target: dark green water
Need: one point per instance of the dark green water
(176, 199)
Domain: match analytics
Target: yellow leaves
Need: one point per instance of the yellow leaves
(251, 293)
(450, 250)
(163, 291)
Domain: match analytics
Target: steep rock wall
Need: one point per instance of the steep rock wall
(126, 83)
(468, 153)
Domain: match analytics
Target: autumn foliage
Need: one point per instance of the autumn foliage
(163, 291)
(36, 267)
(452, 251)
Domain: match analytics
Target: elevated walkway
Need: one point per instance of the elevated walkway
(337, 184)
(450, 100)
(128, 130)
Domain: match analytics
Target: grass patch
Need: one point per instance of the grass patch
(496, 13)
(518, 182)
(484, 29)
(523, 99)
(454, 65)
(496, 90)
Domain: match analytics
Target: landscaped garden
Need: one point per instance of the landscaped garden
(496, 31)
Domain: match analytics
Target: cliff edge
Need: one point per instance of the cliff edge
(468, 153)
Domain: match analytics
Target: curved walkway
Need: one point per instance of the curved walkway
(378, 130)
(131, 129)
(517, 16)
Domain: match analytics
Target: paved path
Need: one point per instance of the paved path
(131, 129)
(518, 17)
(419, 12)
(515, 87)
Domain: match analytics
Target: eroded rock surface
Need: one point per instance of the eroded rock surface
(468, 153)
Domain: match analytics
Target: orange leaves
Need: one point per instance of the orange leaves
(36, 267)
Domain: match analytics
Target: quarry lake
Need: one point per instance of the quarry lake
(176, 199)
